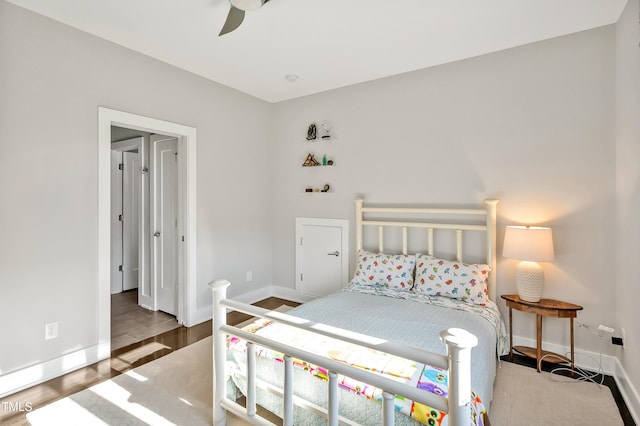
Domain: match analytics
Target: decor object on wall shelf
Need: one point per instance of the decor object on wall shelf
(530, 244)
(313, 189)
(310, 161)
(311, 132)
(326, 132)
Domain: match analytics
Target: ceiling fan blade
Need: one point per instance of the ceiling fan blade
(234, 19)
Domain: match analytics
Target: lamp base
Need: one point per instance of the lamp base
(529, 281)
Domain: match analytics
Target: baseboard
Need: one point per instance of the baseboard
(206, 313)
(272, 291)
(254, 295)
(30, 376)
(200, 316)
(289, 294)
(583, 359)
(628, 391)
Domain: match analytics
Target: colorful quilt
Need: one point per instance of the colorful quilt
(402, 370)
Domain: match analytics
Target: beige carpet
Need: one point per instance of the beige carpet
(176, 390)
(524, 397)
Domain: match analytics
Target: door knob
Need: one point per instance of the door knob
(335, 253)
(157, 234)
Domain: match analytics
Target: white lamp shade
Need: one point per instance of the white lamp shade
(531, 243)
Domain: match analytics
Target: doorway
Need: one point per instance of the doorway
(183, 223)
(144, 237)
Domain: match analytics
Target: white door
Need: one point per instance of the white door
(164, 195)
(129, 218)
(116, 223)
(322, 256)
(131, 205)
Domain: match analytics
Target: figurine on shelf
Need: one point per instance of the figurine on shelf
(310, 161)
(325, 188)
(329, 162)
(324, 160)
(326, 133)
(311, 132)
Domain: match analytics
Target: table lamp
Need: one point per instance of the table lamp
(530, 244)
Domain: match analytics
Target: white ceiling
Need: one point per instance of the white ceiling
(327, 43)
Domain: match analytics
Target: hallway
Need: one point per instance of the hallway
(131, 323)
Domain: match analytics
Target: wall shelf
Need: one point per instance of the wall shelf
(318, 133)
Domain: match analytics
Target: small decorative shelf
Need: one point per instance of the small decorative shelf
(311, 161)
(324, 189)
(318, 133)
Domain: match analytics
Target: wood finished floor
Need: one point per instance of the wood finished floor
(131, 323)
(122, 359)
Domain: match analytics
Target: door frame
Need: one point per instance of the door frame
(187, 303)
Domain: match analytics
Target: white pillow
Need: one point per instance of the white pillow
(392, 271)
(456, 280)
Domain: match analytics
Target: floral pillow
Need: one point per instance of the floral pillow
(456, 280)
(392, 271)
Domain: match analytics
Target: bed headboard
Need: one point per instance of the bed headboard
(454, 220)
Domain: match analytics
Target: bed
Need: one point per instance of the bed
(414, 339)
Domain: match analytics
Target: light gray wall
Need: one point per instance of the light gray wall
(628, 187)
(52, 80)
(531, 126)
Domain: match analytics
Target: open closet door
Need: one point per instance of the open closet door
(164, 194)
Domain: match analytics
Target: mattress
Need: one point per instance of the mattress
(398, 316)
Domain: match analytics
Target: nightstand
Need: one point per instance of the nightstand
(548, 308)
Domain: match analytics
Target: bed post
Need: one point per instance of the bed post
(359, 202)
(219, 289)
(459, 343)
(491, 246)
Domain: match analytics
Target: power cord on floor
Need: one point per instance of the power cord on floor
(580, 375)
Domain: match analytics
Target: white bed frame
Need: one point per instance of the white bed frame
(459, 342)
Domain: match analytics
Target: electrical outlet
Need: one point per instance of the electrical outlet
(51, 330)
(249, 276)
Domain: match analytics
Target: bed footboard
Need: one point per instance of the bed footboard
(459, 344)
